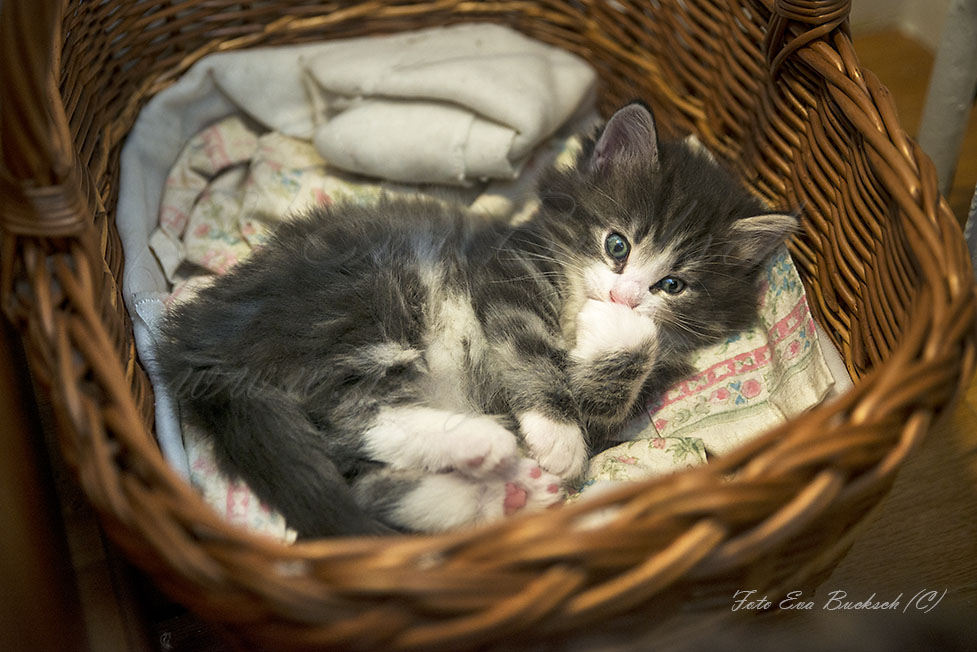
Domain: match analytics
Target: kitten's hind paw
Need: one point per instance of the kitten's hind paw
(530, 488)
(445, 501)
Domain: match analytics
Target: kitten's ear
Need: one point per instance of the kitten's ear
(756, 237)
(629, 136)
(694, 145)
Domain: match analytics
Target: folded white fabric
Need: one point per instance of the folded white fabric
(456, 103)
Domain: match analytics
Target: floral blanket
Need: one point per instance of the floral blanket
(232, 185)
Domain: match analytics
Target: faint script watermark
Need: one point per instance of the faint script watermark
(924, 601)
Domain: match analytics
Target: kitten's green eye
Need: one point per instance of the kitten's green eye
(617, 247)
(671, 285)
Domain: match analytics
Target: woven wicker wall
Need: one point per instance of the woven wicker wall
(771, 85)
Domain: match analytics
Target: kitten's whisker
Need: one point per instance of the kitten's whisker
(733, 277)
(676, 320)
(552, 247)
(529, 277)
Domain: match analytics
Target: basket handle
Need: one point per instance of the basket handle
(40, 180)
(817, 18)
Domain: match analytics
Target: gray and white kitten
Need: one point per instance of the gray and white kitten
(407, 367)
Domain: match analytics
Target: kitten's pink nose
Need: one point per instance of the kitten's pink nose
(627, 293)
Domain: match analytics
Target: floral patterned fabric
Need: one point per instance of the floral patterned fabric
(232, 185)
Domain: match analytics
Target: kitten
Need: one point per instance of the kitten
(376, 369)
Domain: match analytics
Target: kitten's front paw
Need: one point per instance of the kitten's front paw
(483, 445)
(558, 446)
(603, 327)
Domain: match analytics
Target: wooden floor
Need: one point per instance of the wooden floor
(924, 535)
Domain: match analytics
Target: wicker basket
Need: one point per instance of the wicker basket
(773, 86)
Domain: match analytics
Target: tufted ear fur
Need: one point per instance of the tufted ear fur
(629, 136)
(756, 237)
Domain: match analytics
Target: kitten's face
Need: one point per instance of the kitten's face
(662, 229)
(632, 271)
(661, 274)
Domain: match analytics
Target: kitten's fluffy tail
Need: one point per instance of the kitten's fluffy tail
(266, 439)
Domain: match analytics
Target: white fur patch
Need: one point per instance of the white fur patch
(444, 502)
(559, 446)
(436, 440)
(597, 281)
(449, 500)
(390, 354)
(453, 323)
(645, 267)
(694, 145)
(604, 327)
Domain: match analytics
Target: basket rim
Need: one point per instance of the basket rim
(935, 356)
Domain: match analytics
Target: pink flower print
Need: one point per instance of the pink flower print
(215, 149)
(658, 442)
(627, 459)
(793, 349)
(173, 218)
(661, 423)
(201, 230)
(751, 389)
(321, 197)
(218, 261)
(238, 498)
(226, 263)
(722, 394)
